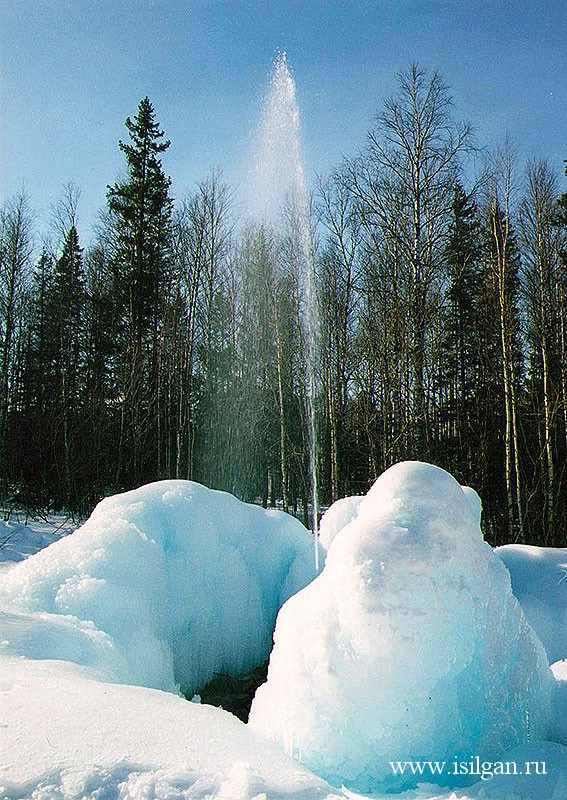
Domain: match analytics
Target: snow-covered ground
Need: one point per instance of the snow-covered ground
(70, 735)
(21, 537)
(539, 581)
(172, 583)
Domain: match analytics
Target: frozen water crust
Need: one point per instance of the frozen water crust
(408, 646)
(163, 587)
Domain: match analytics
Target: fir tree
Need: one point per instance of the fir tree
(67, 306)
(462, 266)
(141, 210)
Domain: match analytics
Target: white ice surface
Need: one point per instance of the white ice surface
(408, 646)
(163, 586)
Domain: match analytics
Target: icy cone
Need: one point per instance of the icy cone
(409, 646)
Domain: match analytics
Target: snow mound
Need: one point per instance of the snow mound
(408, 646)
(18, 540)
(539, 581)
(68, 737)
(163, 586)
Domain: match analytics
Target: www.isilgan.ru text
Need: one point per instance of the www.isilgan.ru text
(485, 770)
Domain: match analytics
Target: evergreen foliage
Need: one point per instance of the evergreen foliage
(140, 209)
(172, 346)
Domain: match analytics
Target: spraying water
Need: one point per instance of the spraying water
(279, 179)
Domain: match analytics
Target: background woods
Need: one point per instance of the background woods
(171, 345)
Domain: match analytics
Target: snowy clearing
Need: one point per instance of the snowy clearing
(21, 537)
(167, 584)
(539, 581)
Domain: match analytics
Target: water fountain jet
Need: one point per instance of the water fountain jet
(280, 179)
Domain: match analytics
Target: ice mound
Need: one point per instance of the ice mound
(337, 517)
(474, 501)
(163, 586)
(343, 511)
(409, 646)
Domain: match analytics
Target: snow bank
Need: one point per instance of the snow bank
(68, 737)
(408, 646)
(19, 540)
(539, 581)
(163, 586)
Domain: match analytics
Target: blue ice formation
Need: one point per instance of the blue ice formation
(408, 646)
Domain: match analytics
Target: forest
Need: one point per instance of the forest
(170, 346)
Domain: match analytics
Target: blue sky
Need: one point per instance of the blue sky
(71, 71)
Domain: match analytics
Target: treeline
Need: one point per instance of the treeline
(172, 346)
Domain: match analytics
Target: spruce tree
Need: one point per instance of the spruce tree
(141, 209)
(51, 455)
(68, 302)
(461, 346)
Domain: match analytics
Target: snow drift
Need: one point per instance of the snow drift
(163, 587)
(408, 646)
(539, 581)
(69, 737)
